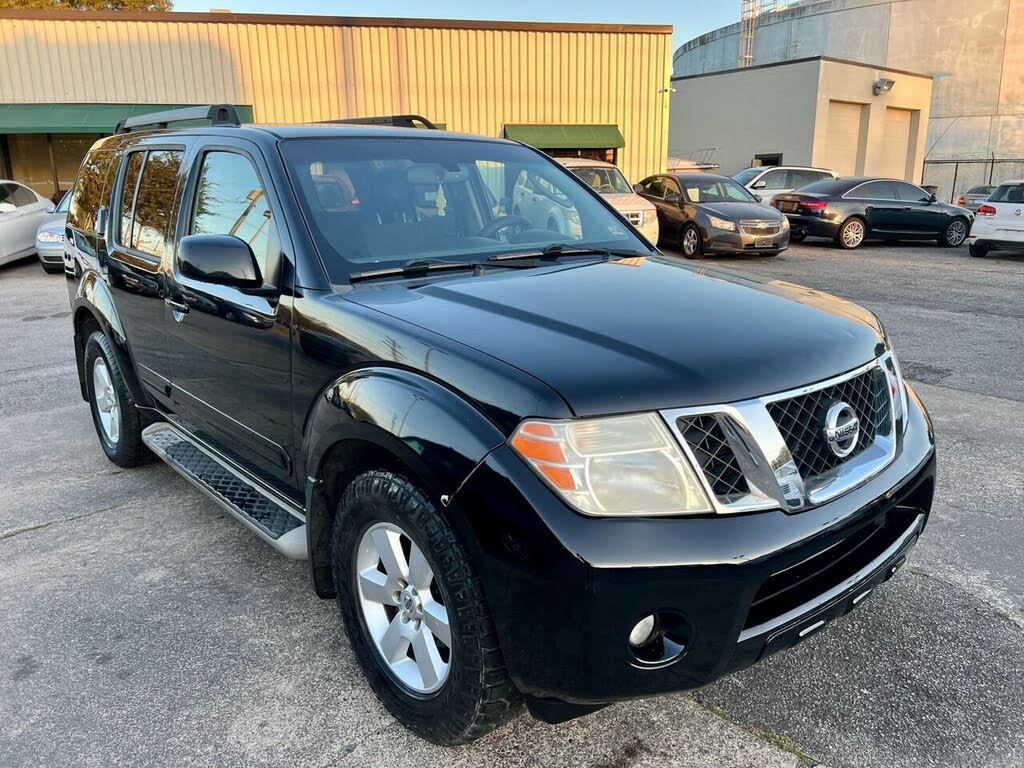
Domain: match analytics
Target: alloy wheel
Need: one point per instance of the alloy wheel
(853, 233)
(956, 233)
(403, 608)
(690, 242)
(107, 407)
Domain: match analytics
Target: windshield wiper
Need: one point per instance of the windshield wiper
(419, 267)
(555, 250)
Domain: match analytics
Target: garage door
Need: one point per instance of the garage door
(896, 143)
(842, 144)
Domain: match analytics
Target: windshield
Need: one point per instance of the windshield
(603, 180)
(744, 176)
(375, 203)
(716, 191)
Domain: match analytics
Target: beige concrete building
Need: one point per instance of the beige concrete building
(583, 89)
(818, 111)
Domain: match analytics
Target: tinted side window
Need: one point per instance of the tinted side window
(799, 179)
(874, 190)
(910, 193)
(653, 187)
(230, 200)
(90, 190)
(21, 196)
(774, 180)
(6, 190)
(670, 187)
(155, 201)
(129, 187)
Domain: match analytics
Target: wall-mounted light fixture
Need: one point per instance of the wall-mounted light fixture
(882, 86)
(670, 89)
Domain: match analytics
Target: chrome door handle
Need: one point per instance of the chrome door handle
(177, 306)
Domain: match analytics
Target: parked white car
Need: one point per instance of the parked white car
(766, 181)
(21, 213)
(545, 206)
(608, 181)
(50, 237)
(999, 222)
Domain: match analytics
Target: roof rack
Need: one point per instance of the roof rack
(217, 114)
(398, 121)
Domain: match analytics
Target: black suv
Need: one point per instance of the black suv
(530, 465)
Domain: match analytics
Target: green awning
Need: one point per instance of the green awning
(81, 118)
(569, 136)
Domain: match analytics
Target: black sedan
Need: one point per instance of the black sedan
(850, 211)
(705, 213)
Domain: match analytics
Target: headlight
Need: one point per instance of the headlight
(898, 389)
(785, 223)
(620, 465)
(650, 215)
(718, 223)
(50, 237)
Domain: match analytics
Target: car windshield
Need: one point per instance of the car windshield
(603, 180)
(375, 203)
(716, 191)
(744, 177)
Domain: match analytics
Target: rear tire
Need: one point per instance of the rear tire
(797, 237)
(978, 251)
(954, 234)
(118, 422)
(851, 234)
(470, 692)
(691, 243)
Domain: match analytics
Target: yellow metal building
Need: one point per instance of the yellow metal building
(582, 89)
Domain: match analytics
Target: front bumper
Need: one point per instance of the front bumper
(50, 253)
(565, 590)
(724, 241)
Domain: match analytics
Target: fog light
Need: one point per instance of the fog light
(642, 631)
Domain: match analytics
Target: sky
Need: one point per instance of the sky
(689, 18)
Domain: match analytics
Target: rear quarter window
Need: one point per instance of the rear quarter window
(91, 190)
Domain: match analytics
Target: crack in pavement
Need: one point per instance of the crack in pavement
(12, 532)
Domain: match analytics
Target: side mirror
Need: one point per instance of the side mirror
(7, 208)
(672, 197)
(219, 259)
(932, 198)
(638, 188)
(759, 198)
(760, 185)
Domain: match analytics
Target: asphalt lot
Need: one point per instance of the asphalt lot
(139, 625)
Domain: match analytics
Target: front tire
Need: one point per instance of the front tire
(691, 243)
(118, 422)
(415, 612)
(954, 234)
(851, 234)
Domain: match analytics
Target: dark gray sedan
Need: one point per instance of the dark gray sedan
(705, 213)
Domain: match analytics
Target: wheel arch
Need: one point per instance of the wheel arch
(387, 418)
(93, 310)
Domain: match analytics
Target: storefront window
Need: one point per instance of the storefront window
(48, 163)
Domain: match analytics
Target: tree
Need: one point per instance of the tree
(89, 5)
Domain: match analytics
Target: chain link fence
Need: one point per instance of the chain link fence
(952, 178)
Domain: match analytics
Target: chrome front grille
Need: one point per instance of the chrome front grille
(772, 452)
(636, 218)
(799, 419)
(760, 228)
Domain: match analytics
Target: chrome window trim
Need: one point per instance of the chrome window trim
(766, 461)
(846, 195)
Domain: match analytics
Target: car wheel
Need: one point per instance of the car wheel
(851, 234)
(797, 237)
(118, 422)
(978, 251)
(954, 234)
(416, 614)
(691, 243)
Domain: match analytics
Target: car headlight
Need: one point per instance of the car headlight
(650, 215)
(613, 466)
(785, 223)
(718, 223)
(50, 237)
(897, 388)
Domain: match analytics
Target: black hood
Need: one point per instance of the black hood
(614, 337)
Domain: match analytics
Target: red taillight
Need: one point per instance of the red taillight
(813, 205)
(986, 210)
(961, 200)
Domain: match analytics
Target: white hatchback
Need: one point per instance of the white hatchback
(999, 223)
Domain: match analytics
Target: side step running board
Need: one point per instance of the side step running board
(281, 527)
